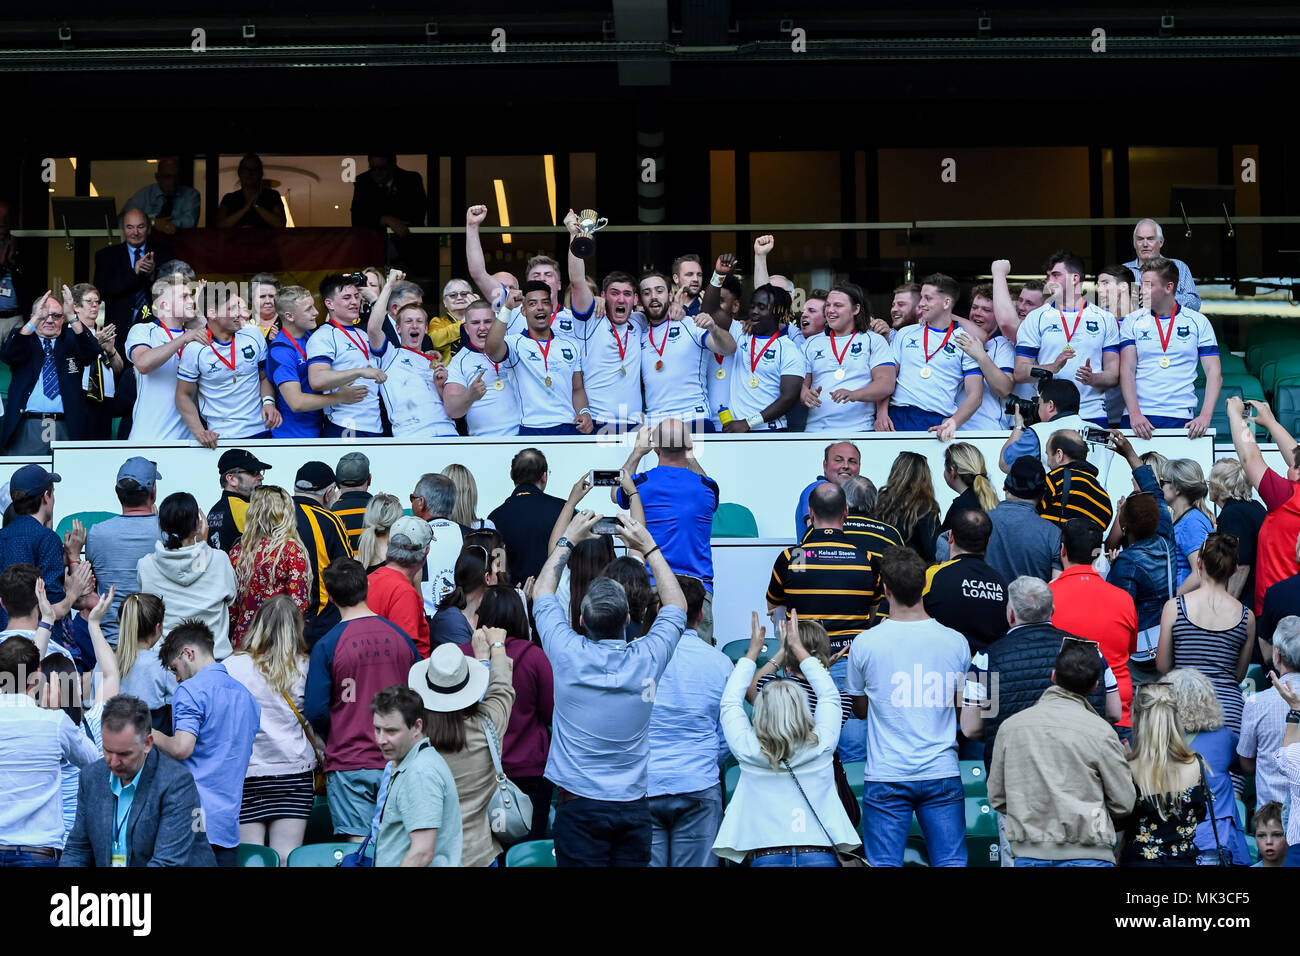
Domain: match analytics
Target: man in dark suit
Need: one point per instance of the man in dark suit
(140, 807)
(46, 400)
(124, 273)
(388, 196)
(527, 517)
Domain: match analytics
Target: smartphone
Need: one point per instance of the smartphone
(604, 479)
(1096, 436)
(606, 526)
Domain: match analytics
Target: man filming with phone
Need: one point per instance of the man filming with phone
(679, 500)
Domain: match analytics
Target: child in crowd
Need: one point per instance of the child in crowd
(1270, 835)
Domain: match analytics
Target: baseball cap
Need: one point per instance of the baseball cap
(32, 480)
(239, 460)
(414, 530)
(140, 470)
(353, 469)
(314, 476)
(1026, 478)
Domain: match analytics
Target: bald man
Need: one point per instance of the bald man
(1148, 240)
(679, 501)
(840, 460)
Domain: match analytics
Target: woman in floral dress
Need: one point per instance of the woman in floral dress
(1161, 831)
(269, 559)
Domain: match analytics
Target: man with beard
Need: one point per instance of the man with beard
(539, 269)
(902, 311)
(482, 391)
(412, 391)
(688, 279)
(286, 367)
(336, 353)
(766, 377)
(997, 360)
(851, 365)
(548, 368)
(675, 355)
(240, 473)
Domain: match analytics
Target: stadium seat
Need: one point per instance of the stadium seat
(913, 856)
(250, 854)
(856, 771)
(735, 650)
(1264, 338)
(1232, 364)
(974, 782)
(982, 847)
(1243, 816)
(1286, 404)
(532, 853)
(88, 518)
(730, 779)
(1253, 847)
(1254, 681)
(320, 825)
(324, 854)
(1277, 368)
(6, 376)
(734, 521)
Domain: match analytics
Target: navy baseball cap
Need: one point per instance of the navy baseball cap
(140, 470)
(32, 480)
(314, 476)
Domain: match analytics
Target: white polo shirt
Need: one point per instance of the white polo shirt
(1168, 391)
(229, 393)
(497, 412)
(757, 368)
(611, 371)
(1091, 332)
(545, 406)
(858, 353)
(674, 362)
(945, 387)
(991, 415)
(154, 417)
(345, 349)
(409, 394)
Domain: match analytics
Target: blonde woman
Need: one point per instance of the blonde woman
(1171, 798)
(907, 502)
(817, 643)
(139, 629)
(381, 514)
(965, 473)
(785, 759)
(269, 559)
(466, 499)
(1184, 488)
(1240, 515)
(279, 784)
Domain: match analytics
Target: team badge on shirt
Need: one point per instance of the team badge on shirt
(567, 353)
(1091, 326)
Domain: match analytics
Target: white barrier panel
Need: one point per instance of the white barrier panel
(741, 570)
(765, 473)
(9, 465)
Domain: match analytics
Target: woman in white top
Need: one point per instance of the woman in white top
(279, 787)
(786, 750)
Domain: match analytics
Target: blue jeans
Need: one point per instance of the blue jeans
(909, 419)
(1027, 861)
(17, 858)
(568, 428)
(1157, 421)
(602, 832)
(819, 858)
(853, 735)
(684, 826)
(887, 808)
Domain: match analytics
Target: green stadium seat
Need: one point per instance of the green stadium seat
(982, 847)
(1219, 420)
(1286, 404)
(1232, 364)
(1253, 847)
(974, 778)
(856, 771)
(735, 650)
(1243, 816)
(88, 518)
(1261, 336)
(533, 853)
(1259, 355)
(914, 856)
(730, 779)
(250, 854)
(324, 854)
(734, 521)
(1254, 681)
(1278, 367)
(320, 825)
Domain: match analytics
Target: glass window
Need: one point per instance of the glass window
(520, 191)
(312, 187)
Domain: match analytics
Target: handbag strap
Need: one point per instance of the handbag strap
(320, 759)
(490, 731)
(795, 778)
(1209, 800)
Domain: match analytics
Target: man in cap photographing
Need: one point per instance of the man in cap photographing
(353, 476)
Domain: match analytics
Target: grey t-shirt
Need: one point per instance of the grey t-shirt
(114, 548)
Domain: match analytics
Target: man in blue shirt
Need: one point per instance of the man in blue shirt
(214, 721)
(679, 501)
(686, 744)
(840, 460)
(168, 202)
(28, 538)
(1148, 240)
(605, 690)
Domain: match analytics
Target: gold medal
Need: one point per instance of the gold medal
(753, 381)
(839, 375)
(1164, 361)
(434, 363)
(498, 385)
(548, 381)
(720, 373)
(622, 371)
(925, 372)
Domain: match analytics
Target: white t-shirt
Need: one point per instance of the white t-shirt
(230, 399)
(154, 417)
(344, 350)
(440, 566)
(945, 387)
(990, 416)
(497, 412)
(545, 406)
(676, 388)
(410, 396)
(860, 352)
(611, 371)
(757, 368)
(1169, 392)
(1092, 332)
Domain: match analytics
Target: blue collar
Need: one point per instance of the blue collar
(115, 783)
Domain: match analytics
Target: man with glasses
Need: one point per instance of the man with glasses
(240, 474)
(46, 401)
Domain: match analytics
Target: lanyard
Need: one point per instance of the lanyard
(1165, 337)
(622, 345)
(171, 335)
(546, 352)
(925, 345)
(301, 351)
(839, 356)
(753, 359)
(118, 824)
(1069, 332)
(365, 352)
(496, 366)
(231, 364)
(651, 333)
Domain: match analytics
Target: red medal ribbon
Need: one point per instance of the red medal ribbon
(839, 356)
(753, 359)
(925, 344)
(365, 352)
(231, 364)
(495, 366)
(301, 351)
(1164, 338)
(1069, 333)
(546, 352)
(651, 333)
(172, 335)
(622, 345)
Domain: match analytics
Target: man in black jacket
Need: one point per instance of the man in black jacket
(240, 472)
(124, 273)
(140, 807)
(526, 518)
(388, 197)
(47, 356)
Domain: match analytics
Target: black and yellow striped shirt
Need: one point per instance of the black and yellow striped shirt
(351, 510)
(1087, 498)
(326, 538)
(830, 579)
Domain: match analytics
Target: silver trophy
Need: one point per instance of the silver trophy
(583, 245)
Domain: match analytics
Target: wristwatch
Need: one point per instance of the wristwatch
(1293, 717)
(564, 542)
(500, 644)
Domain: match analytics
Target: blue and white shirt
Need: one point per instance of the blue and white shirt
(1168, 391)
(229, 379)
(1090, 331)
(944, 388)
(858, 354)
(990, 416)
(497, 412)
(675, 358)
(757, 368)
(545, 405)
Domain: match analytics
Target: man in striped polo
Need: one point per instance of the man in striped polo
(353, 476)
(326, 537)
(1074, 488)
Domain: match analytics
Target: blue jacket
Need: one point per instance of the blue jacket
(161, 823)
(1145, 568)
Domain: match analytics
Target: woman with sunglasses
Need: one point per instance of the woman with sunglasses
(445, 330)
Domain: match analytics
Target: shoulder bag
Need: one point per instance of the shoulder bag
(1222, 856)
(510, 811)
(1148, 639)
(854, 857)
(318, 775)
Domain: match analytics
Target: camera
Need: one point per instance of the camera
(358, 279)
(1028, 406)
